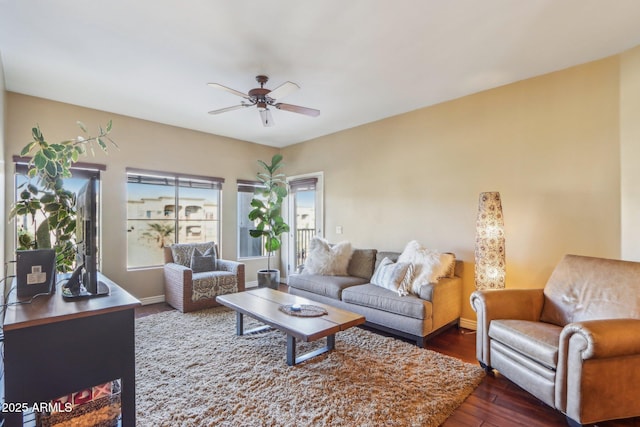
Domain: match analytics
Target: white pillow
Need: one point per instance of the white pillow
(326, 259)
(426, 263)
(392, 275)
(448, 265)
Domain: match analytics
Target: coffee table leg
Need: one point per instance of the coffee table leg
(331, 342)
(239, 323)
(240, 326)
(291, 350)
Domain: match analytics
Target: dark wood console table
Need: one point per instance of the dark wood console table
(53, 348)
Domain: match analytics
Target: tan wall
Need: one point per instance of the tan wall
(630, 152)
(144, 145)
(548, 144)
(2, 157)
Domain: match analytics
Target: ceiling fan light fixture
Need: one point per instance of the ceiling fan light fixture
(267, 119)
(262, 98)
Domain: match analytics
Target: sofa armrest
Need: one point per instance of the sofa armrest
(446, 299)
(520, 304)
(234, 267)
(597, 361)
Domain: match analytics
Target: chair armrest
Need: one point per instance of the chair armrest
(234, 267)
(520, 304)
(446, 299)
(177, 272)
(597, 359)
(603, 338)
(178, 284)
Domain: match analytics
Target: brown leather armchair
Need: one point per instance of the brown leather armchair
(575, 344)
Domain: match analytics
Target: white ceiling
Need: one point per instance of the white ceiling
(355, 60)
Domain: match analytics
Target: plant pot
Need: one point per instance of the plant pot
(269, 278)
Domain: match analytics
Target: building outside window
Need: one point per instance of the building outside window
(165, 208)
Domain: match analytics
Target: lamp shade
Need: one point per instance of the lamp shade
(490, 250)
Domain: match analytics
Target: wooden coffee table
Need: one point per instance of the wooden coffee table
(262, 304)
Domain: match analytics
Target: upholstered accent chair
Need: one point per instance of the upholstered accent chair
(194, 276)
(575, 344)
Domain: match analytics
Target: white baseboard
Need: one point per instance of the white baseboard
(152, 300)
(253, 284)
(468, 324)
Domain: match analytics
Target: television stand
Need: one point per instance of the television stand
(70, 294)
(53, 348)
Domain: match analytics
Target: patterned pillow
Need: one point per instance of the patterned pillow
(395, 276)
(182, 252)
(203, 262)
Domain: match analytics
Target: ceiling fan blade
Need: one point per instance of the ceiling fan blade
(283, 90)
(267, 120)
(224, 110)
(297, 109)
(228, 89)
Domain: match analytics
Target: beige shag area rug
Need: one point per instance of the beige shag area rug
(192, 370)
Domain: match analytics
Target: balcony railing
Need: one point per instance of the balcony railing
(303, 237)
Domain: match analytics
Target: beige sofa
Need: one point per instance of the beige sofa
(438, 306)
(575, 344)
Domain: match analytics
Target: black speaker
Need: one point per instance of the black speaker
(35, 272)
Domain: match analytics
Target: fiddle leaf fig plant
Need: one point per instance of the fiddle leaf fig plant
(43, 197)
(267, 206)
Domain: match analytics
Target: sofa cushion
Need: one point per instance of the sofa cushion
(328, 286)
(380, 255)
(362, 263)
(209, 284)
(578, 286)
(538, 341)
(373, 296)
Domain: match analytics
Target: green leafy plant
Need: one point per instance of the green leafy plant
(44, 192)
(267, 206)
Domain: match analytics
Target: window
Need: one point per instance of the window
(26, 225)
(165, 208)
(248, 247)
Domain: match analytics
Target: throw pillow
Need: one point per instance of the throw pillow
(448, 264)
(203, 262)
(182, 252)
(391, 275)
(326, 259)
(426, 263)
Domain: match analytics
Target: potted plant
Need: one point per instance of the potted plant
(267, 216)
(44, 197)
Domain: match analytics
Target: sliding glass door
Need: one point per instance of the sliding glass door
(305, 217)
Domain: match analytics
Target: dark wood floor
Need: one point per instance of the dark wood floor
(496, 402)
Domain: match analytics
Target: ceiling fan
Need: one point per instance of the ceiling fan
(265, 98)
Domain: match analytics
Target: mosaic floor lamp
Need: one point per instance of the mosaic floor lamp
(489, 251)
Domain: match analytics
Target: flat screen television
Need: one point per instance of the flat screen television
(84, 282)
